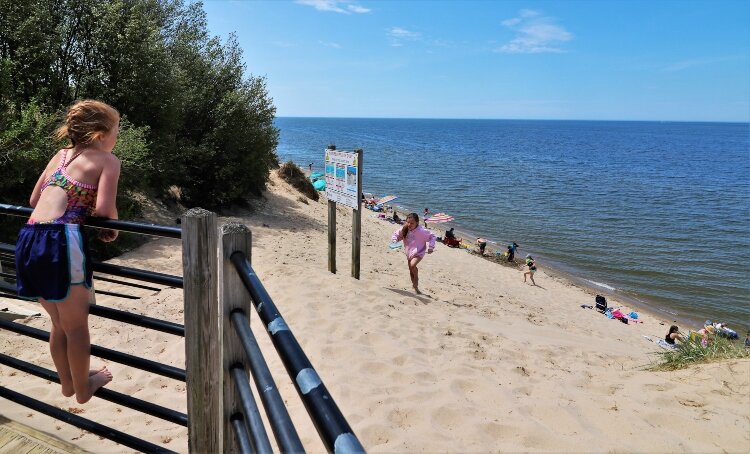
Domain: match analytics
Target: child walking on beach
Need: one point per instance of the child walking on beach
(529, 268)
(52, 259)
(417, 242)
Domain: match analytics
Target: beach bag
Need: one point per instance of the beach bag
(601, 303)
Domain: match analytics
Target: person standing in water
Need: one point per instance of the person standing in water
(52, 257)
(417, 241)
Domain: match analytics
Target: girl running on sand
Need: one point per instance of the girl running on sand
(52, 258)
(529, 268)
(417, 241)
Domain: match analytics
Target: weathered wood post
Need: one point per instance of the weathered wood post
(332, 236)
(357, 219)
(232, 295)
(202, 338)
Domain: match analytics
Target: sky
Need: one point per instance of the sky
(578, 60)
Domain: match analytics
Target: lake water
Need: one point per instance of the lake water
(655, 211)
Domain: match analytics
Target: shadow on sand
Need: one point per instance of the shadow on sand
(424, 299)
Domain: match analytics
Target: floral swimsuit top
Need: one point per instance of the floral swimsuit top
(81, 196)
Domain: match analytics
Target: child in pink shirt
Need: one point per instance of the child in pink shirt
(417, 242)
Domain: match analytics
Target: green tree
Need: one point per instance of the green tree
(192, 116)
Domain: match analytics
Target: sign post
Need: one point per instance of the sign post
(357, 219)
(343, 174)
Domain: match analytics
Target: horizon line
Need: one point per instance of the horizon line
(514, 119)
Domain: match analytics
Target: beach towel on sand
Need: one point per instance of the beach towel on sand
(661, 343)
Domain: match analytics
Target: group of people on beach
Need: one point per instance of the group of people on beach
(419, 241)
(703, 335)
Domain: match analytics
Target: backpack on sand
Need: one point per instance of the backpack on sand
(601, 303)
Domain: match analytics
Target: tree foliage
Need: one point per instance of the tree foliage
(192, 116)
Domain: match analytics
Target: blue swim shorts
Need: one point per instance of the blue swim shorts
(50, 258)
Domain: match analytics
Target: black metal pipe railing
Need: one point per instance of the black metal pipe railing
(116, 224)
(105, 353)
(258, 436)
(100, 292)
(13, 295)
(120, 316)
(129, 284)
(278, 416)
(8, 249)
(149, 408)
(122, 271)
(118, 295)
(83, 423)
(325, 414)
(138, 320)
(141, 275)
(240, 431)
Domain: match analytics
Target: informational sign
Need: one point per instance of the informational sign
(342, 184)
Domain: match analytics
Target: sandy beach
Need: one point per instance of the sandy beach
(481, 362)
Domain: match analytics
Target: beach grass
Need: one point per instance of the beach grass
(691, 353)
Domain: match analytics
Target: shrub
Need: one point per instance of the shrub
(689, 353)
(293, 175)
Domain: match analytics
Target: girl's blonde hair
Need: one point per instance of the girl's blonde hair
(86, 121)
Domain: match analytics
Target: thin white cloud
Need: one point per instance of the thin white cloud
(535, 34)
(358, 9)
(330, 44)
(685, 64)
(397, 36)
(335, 6)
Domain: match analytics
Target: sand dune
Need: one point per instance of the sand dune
(481, 362)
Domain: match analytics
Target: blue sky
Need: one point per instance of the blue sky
(598, 60)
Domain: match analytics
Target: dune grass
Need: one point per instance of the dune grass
(690, 353)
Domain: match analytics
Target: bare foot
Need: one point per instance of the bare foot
(416, 290)
(96, 381)
(96, 371)
(67, 390)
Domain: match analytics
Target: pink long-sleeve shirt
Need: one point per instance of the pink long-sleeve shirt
(416, 241)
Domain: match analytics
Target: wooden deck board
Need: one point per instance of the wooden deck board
(17, 438)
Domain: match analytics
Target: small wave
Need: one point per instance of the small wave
(599, 284)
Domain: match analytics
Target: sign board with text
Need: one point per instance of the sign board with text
(342, 182)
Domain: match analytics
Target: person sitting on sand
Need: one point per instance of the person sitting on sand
(529, 268)
(482, 244)
(673, 335)
(417, 241)
(450, 239)
(396, 218)
(747, 340)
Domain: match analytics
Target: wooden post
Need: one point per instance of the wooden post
(357, 219)
(232, 295)
(332, 236)
(202, 339)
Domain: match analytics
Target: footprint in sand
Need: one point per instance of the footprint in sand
(690, 402)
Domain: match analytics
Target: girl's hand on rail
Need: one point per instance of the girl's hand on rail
(108, 235)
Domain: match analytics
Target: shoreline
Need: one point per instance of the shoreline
(562, 271)
(570, 276)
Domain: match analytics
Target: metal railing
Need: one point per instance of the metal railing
(332, 427)
(218, 342)
(167, 414)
